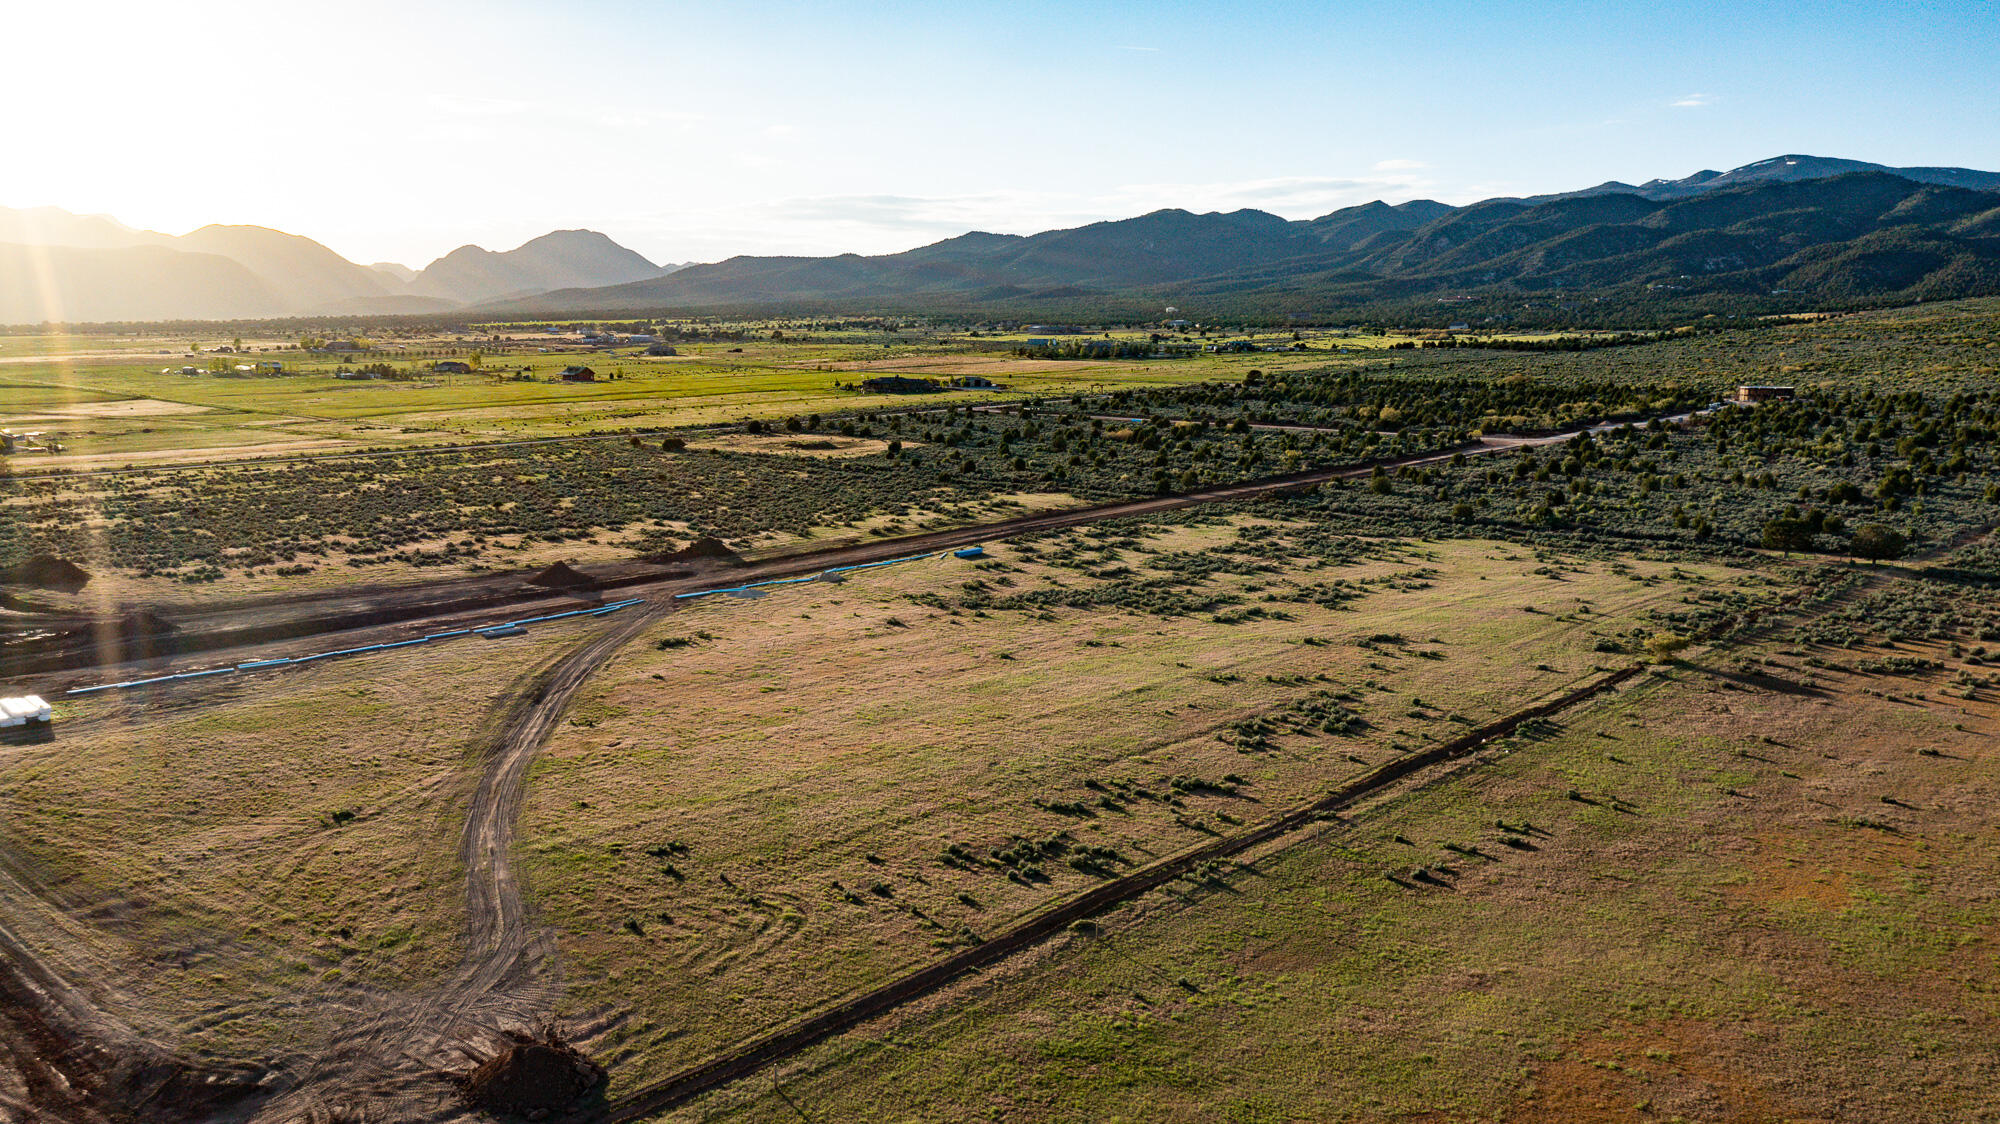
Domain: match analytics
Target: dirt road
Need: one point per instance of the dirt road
(363, 611)
(383, 1062)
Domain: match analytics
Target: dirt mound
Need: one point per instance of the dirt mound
(533, 1078)
(46, 572)
(143, 622)
(562, 576)
(705, 549)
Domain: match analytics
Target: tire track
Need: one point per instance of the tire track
(761, 1052)
(387, 1064)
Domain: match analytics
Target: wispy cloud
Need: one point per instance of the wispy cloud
(884, 223)
(472, 105)
(1693, 101)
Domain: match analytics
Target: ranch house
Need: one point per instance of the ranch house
(1753, 394)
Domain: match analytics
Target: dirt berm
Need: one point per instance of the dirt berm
(707, 549)
(534, 1078)
(563, 576)
(46, 572)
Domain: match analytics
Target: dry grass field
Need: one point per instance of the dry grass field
(1733, 892)
(1755, 882)
(257, 851)
(765, 805)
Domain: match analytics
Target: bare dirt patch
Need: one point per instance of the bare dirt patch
(122, 408)
(797, 445)
(1675, 1069)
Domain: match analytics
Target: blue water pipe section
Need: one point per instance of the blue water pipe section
(506, 628)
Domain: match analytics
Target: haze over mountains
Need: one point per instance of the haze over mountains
(1813, 228)
(55, 266)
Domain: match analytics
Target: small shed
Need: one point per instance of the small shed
(578, 374)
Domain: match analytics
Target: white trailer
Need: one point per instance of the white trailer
(23, 710)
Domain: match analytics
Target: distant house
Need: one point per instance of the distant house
(452, 367)
(1178, 324)
(975, 382)
(270, 367)
(578, 374)
(1461, 326)
(897, 384)
(1753, 394)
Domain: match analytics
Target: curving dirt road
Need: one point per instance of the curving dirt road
(384, 1062)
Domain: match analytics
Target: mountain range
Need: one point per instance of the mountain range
(57, 266)
(1809, 230)
(1789, 231)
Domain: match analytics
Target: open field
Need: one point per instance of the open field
(1763, 902)
(1726, 888)
(760, 808)
(266, 856)
(515, 397)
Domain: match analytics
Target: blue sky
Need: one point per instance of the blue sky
(695, 131)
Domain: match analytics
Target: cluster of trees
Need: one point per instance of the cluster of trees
(1870, 474)
(1578, 342)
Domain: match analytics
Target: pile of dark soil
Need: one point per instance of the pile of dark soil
(562, 576)
(46, 572)
(707, 549)
(533, 1077)
(142, 622)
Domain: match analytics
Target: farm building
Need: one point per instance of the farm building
(23, 710)
(975, 382)
(452, 367)
(578, 374)
(12, 442)
(897, 384)
(1750, 394)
